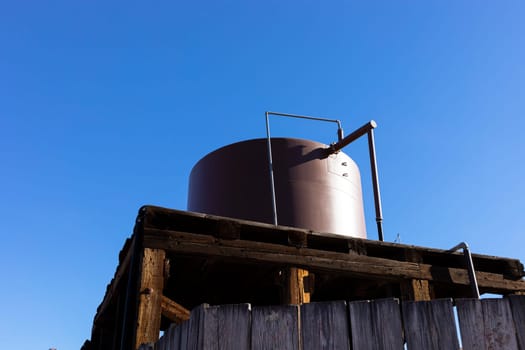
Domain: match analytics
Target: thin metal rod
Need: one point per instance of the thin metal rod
(366, 129)
(340, 133)
(470, 265)
(270, 163)
(336, 147)
(375, 183)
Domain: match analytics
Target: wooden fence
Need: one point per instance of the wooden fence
(378, 324)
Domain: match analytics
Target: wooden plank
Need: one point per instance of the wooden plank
(324, 326)
(234, 326)
(174, 311)
(172, 343)
(122, 268)
(176, 334)
(294, 291)
(151, 285)
(351, 264)
(176, 220)
(430, 324)
(275, 327)
(160, 344)
(470, 317)
(415, 289)
(203, 328)
(517, 304)
(499, 329)
(376, 325)
(184, 329)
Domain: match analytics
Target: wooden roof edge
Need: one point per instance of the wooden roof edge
(178, 220)
(111, 289)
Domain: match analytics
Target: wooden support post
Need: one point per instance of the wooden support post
(150, 296)
(296, 291)
(415, 289)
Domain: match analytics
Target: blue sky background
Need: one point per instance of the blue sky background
(106, 106)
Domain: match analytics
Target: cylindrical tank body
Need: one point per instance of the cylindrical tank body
(313, 190)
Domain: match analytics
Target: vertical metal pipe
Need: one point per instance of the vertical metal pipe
(270, 164)
(472, 273)
(470, 267)
(340, 133)
(375, 183)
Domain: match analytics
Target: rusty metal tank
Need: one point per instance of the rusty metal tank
(313, 190)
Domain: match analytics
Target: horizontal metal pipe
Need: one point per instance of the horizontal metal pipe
(305, 117)
(339, 126)
(336, 147)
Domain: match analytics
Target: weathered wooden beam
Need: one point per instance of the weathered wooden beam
(150, 296)
(176, 220)
(350, 264)
(111, 290)
(415, 289)
(295, 291)
(173, 311)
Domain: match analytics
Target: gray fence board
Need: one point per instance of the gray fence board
(234, 327)
(168, 339)
(174, 333)
(376, 325)
(430, 325)
(324, 326)
(203, 328)
(184, 334)
(500, 332)
(470, 316)
(517, 304)
(275, 327)
(486, 324)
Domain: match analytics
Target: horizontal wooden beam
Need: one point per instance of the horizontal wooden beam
(350, 264)
(174, 311)
(153, 217)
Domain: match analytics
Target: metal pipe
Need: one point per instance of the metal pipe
(368, 130)
(470, 265)
(339, 127)
(340, 135)
(336, 147)
(270, 163)
(375, 183)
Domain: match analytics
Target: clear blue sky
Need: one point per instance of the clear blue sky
(105, 107)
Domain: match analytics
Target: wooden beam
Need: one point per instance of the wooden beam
(415, 289)
(111, 290)
(295, 291)
(350, 264)
(176, 220)
(150, 296)
(173, 311)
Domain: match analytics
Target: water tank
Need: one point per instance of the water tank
(313, 190)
